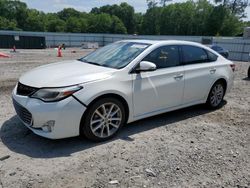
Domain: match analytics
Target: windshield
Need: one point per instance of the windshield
(116, 55)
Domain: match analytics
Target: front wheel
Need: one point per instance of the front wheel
(103, 119)
(216, 95)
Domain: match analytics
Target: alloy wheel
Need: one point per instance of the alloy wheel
(217, 95)
(106, 120)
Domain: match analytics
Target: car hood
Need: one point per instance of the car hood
(65, 73)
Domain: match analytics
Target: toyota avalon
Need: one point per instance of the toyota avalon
(125, 81)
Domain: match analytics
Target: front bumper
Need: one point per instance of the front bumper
(65, 114)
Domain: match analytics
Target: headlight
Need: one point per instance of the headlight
(55, 94)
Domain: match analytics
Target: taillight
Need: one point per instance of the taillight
(233, 67)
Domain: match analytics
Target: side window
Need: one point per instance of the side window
(193, 54)
(211, 56)
(163, 57)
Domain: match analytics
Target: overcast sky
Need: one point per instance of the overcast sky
(87, 5)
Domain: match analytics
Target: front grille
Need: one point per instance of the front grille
(23, 113)
(25, 90)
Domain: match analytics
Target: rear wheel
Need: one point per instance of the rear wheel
(103, 119)
(216, 95)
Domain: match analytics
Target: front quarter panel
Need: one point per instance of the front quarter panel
(119, 83)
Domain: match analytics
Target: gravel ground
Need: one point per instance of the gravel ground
(193, 147)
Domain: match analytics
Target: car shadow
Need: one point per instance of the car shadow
(19, 139)
(247, 79)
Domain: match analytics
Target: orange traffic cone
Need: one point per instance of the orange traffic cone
(59, 52)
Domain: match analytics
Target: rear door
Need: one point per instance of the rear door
(200, 69)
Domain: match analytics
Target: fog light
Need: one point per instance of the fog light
(47, 127)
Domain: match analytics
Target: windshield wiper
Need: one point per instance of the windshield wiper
(89, 62)
(94, 63)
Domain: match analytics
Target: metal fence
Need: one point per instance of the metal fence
(238, 47)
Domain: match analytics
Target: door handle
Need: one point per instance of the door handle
(212, 71)
(178, 77)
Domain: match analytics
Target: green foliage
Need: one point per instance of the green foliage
(6, 24)
(138, 22)
(217, 16)
(117, 26)
(123, 11)
(231, 26)
(73, 25)
(68, 13)
(178, 18)
(100, 23)
(191, 18)
(151, 3)
(199, 17)
(236, 7)
(151, 21)
(56, 25)
(35, 21)
(14, 11)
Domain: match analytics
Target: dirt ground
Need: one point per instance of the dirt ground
(193, 147)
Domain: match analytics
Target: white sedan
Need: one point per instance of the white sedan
(120, 83)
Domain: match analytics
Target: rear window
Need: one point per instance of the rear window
(211, 56)
(193, 55)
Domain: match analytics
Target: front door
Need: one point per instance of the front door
(162, 88)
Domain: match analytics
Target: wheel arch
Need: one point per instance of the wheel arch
(223, 80)
(108, 95)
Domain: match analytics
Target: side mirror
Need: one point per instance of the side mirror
(145, 66)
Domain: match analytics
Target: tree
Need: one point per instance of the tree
(163, 2)
(151, 21)
(199, 17)
(84, 25)
(14, 10)
(178, 19)
(35, 21)
(100, 23)
(128, 17)
(95, 10)
(124, 12)
(237, 7)
(138, 22)
(68, 13)
(202, 13)
(117, 26)
(231, 26)
(56, 25)
(151, 3)
(6, 24)
(217, 16)
(73, 25)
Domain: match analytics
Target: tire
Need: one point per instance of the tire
(216, 95)
(103, 120)
(248, 74)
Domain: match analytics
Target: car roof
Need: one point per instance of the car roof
(169, 42)
(164, 42)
